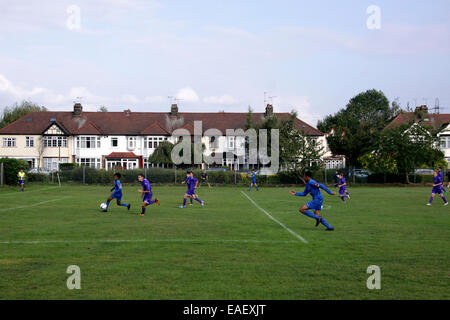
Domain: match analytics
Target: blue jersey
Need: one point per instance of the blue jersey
(117, 186)
(313, 188)
(253, 176)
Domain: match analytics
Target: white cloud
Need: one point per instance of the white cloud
(187, 95)
(224, 99)
(301, 105)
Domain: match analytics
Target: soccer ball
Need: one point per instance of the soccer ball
(103, 206)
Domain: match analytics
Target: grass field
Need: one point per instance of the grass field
(228, 250)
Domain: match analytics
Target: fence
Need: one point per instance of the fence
(87, 175)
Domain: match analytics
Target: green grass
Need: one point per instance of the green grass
(388, 227)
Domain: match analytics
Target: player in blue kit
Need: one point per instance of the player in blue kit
(437, 189)
(147, 193)
(117, 193)
(313, 188)
(253, 176)
(191, 183)
(342, 184)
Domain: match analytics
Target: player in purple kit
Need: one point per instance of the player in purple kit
(191, 183)
(441, 176)
(146, 193)
(342, 184)
(437, 188)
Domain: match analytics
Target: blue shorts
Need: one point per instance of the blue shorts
(117, 196)
(21, 181)
(315, 205)
(342, 191)
(254, 181)
(437, 190)
(190, 193)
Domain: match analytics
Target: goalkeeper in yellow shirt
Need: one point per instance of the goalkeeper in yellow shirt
(21, 176)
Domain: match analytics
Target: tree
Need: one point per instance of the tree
(11, 114)
(298, 151)
(102, 109)
(358, 126)
(403, 149)
(162, 154)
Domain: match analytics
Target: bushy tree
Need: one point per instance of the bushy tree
(11, 114)
(11, 167)
(357, 127)
(162, 154)
(403, 149)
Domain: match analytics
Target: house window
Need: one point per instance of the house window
(53, 163)
(90, 162)
(55, 141)
(153, 142)
(88, 142)
(213, 142)
(114, 142)
(231, 141)
(445, 142)
(9, 142)
(29, 142)
(131, 142)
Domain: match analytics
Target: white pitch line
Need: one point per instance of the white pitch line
(275, 220)
(26, 192)
(145, 240)
(36, 204)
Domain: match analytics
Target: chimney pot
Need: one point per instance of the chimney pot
(77, 109)
(269, 110)
(174, 110)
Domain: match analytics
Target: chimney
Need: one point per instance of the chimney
(77, 109)
(269, 110)
(423, 109)
(174, 110)
(127, 112)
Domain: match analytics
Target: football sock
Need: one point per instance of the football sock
(107, 205)
(311, 215)
(197, 198)
(326, 224)
(124, 205)
(431, 200)
(191, 200)
(445, 200)
(184, 202)
(143, 211)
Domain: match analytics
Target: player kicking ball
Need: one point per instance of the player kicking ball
(437, 189)
(313, 188)
(117, 193)
(191, 183)
(146, 194)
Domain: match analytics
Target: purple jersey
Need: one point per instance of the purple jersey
(147, 187)
(437, 189)
(342, 188)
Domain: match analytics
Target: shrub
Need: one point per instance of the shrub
(11, 167)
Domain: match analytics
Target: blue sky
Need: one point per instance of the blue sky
(223, 55)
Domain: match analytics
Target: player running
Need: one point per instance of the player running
(204, 179)
(437, 189)
(21, 176)
(191, 183)
(146, 193)
(313, 188)
(342, 184)
(117, 193)
(441, 176)
(253, 181)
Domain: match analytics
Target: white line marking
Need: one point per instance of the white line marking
(145, 240)
(275, 220)
(36, 204)
(18, 192)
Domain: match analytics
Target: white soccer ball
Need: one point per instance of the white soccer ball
(103, 206)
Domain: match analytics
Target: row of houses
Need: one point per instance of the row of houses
(127, 139)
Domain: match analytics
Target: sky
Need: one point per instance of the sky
(215, 55)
